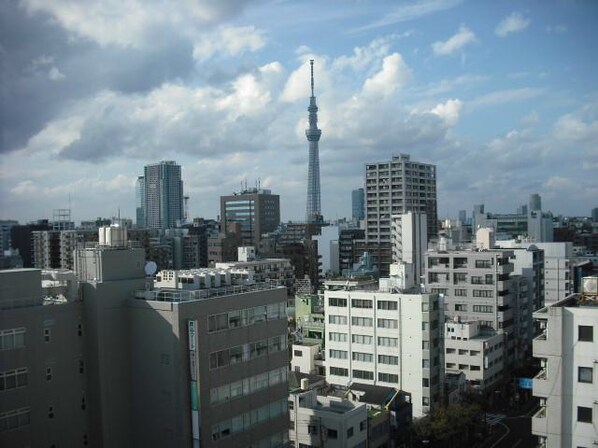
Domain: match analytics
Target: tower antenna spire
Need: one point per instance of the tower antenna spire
(311, 61)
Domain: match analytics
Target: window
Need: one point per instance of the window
(363, 374)
(388, 377)
(584, 414)
(586, 333)
(483, 309)
(584, 374)
(425, 326)
(363, 357)
(12, 338)
(387, 305)
(339, 371)
(48, 373)
(363, 425)
(337, 337)
(338, 320)
(332, 434)
(13, 379)
(47, 335)
(425, 382)
(388, 359)
(425, 363)
(474, 368)
(362, 321)
(297, 353)
(14, 419)
(50, 412)
(81, 366)
(335, 301)
(388, 342)
(350, 432)
(482, 264)
(362, 339)
(460, 307)
(312, 429)
(361, 303)
(460, 292)
(425, 345)
(338, 354)
(483, 293)
(387, 323)
(80, 329)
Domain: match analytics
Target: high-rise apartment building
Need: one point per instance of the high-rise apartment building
(392, 188)
(163, 197)
(386, 338)
(567, 385)
(409, 238)
(256, 210)
(358, 204)
(398, 186)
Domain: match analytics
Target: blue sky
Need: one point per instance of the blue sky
(500, 95)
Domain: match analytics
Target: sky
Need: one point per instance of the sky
(501, 96)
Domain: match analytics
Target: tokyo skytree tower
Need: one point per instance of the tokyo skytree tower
(314, 211)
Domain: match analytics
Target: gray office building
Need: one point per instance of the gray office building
(358, 204)
(256, 210)
(163, 197)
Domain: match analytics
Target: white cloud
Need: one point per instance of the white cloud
(560, 183)
(24, 188)
(55, 75)
(504, 96)
(411, 11)
(511, 24)
(530, 119)
(454, 43)
(574, 127)
(448, 111)
(230, 41)
(394, 74)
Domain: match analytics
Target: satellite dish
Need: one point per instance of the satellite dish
(150, 268)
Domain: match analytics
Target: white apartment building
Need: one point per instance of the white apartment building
(568, 383)
(385, 338)
(318, 421)
(409, 238)
(478, 286)
(478, 354)
(558, 267)
(397, 186)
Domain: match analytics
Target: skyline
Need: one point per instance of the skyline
(483, 91)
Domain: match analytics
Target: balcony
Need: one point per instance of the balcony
(540, 422)
(541, 347)
(541, 385)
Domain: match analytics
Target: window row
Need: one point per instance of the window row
(277, 440)
(363, 303)
(245, 421)
(247, 386)
(12, 338)
(15, 419)
(13, 379)
(245, 317)
(245, 352)
(363, 339)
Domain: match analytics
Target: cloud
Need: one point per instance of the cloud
(55, 75)
(576, 127)
(24, 188)
(504, 96)
(394, 74)
(511, 24)
(531, 119)
(125, 23)
(454, 43)
(449, 111)
(230, 41)
(411, 11)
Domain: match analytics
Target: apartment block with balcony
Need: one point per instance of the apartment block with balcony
(478, 286)
(567, 385)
